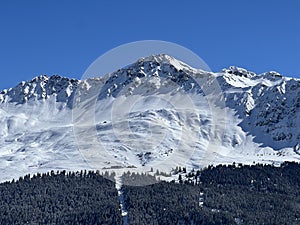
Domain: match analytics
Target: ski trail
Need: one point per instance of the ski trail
(124, 212)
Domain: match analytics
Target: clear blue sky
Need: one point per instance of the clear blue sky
(65, 37)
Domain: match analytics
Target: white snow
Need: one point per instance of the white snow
(119, 184)
(160, 118)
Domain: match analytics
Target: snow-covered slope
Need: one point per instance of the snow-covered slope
(157, 112)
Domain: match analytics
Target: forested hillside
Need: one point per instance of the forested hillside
(232, 194)
(60, 198)
(235, 194)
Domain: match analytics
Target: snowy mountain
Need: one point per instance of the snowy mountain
(157, 112)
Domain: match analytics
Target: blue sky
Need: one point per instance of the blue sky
(65, 37)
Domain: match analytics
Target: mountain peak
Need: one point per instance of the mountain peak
(154, 110)
(166, 59)
(159, 58)
(40, 87)
(238, 71)
(151, 69)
